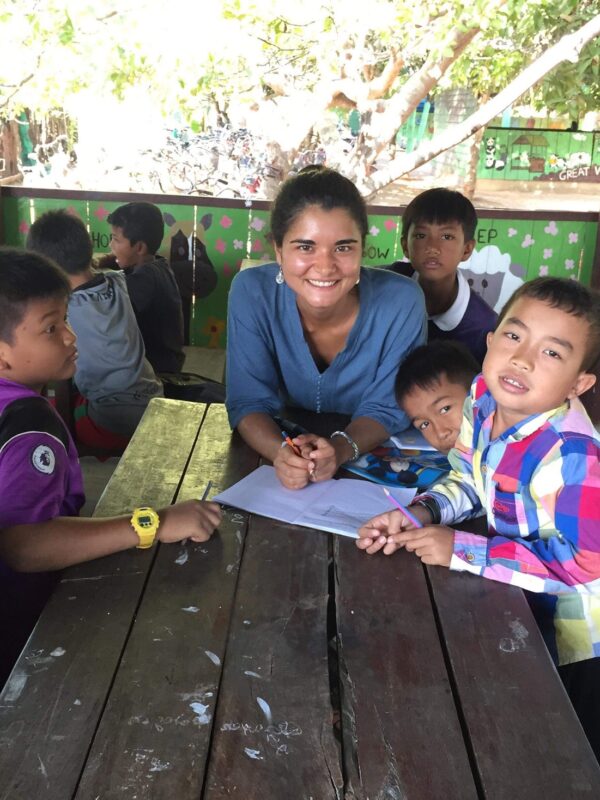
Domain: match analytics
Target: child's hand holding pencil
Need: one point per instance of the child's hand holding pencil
(411, 529)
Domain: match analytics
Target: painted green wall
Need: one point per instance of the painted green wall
(508, 251)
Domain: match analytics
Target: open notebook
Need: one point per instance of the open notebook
(338, 506)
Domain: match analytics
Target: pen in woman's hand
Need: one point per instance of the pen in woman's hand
(289, 443)
(298, 452)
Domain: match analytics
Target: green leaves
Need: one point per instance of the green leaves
(252, 57)
(67, 33)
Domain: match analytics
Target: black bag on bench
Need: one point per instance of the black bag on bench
(192, 387)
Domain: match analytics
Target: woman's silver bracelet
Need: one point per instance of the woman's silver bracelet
(351, 442)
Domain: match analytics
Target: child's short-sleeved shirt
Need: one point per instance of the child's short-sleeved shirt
(538, 484)
(40, 477)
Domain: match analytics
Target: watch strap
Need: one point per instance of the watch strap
(145, 522)
(431, 505)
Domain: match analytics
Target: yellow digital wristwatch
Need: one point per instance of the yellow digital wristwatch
(145, 522)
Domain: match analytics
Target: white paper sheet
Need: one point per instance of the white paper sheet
(338, 506)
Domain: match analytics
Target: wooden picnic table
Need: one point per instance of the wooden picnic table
(276, 662)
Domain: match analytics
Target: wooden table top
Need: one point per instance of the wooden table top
(276, 662)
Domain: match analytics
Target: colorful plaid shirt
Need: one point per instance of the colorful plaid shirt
(539, 486)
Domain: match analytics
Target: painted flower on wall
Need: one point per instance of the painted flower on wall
(213, 328)
(257, 224)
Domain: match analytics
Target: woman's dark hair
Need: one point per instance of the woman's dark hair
(25, 276)
(324, 188)
(63, 238)
(440, 206)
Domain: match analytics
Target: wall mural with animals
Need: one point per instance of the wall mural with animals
(206, 244)
(540, 155)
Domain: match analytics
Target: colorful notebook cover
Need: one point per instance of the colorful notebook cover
(391, 466)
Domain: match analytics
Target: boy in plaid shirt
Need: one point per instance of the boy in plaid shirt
(528, 457)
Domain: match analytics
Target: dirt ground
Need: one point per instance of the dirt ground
(529, 195)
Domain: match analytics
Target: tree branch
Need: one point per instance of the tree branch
(566, 49)
(18, 86)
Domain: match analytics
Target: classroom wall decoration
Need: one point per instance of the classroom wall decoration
(540, 155)
(206, 241)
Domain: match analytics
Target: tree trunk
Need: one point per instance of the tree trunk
(471, 178)
(9, 150)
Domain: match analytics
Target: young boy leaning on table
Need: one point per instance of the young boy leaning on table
(41, 486)
(431, 386)
(527, 457)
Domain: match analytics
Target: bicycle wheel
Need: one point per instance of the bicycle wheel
(181, 176)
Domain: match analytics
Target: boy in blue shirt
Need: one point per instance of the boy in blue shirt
(438, 234)
(40, 477)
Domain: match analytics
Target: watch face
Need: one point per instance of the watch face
(145, 520)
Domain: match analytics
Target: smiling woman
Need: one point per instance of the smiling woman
(319, 332)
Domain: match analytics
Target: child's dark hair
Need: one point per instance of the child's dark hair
(63, 238)
(440, 206)
(569, 296)
(140, 222)
(324, 188)
(425, 366)
(24, 277)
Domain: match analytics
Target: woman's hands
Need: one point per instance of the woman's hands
(294, 466)
(317, 459)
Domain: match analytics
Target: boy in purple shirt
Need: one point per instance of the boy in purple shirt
(438, 234)
(528, 457)
(40, 477)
